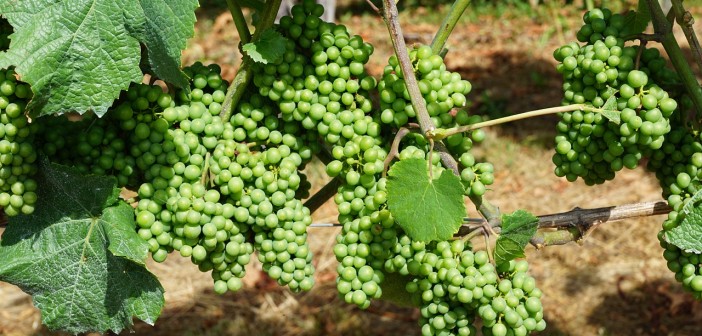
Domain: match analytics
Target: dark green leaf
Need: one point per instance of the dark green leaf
(636, 22)
(426, 209)
(167, 27)
(517, 229)
(78, 55)
(269, 48)
(79, 256)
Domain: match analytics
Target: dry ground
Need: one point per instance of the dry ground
(614, 283)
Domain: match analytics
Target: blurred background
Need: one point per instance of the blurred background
(613, 283)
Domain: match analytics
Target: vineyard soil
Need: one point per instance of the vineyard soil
(614, 283)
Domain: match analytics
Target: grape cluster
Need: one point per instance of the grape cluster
(18, 157)
(320, 82)
(678, 167)
(604, 74)
(453, 284)
(115, 145)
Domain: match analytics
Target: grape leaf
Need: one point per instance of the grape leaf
(426, 209)
(609, 110)
(692, 202)
(79, 54)
(79, 256)
(688, 235)
(269, 48)
(168, 26)
(517, 229)
(636, 22)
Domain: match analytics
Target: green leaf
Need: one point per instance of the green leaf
(79, 256)
(636, 22)
(165, 31)
(609, 110)
(79, 54)
(425, 209)
(269, 48)
(692, 202)
(517, 229)
(688, 235)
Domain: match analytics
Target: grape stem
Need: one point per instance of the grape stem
(663, 27)
(394, 149)
(685, 21)
(441, 133)
(205, 170)
(450, 21)
(241, 26)
(374, 7)
(243, 75)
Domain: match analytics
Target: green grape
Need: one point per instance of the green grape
(18, 155)
(588, 145)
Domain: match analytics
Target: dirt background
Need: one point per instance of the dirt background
(613, 283)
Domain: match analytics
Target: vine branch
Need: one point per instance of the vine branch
(662, 26)
(686, 21)
(575, 225)
(239, 21)
(450, 21)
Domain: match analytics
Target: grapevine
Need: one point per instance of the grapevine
(217, 169)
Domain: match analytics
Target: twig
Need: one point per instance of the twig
(395, 148)
(662, 26)
(450, 21)
(576, 224)
(444, 133)
(241, 26)
(686, 21)
(374, 7)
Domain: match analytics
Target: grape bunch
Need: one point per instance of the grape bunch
(115, 145)
(320, 82)
(453, 285)
(678, 167)
(604, 74)
(18, 155)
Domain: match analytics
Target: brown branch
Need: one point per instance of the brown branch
(686, 22)
(576, 224)
(374, 7)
